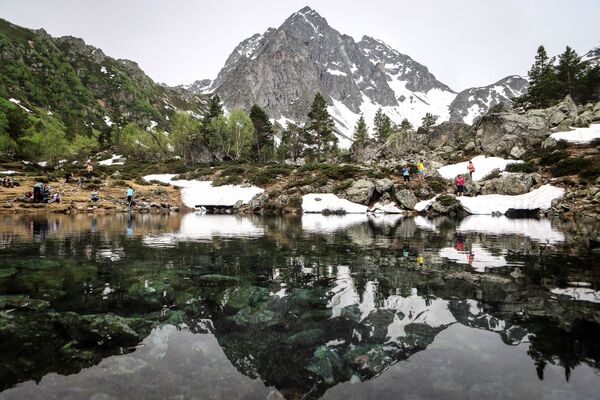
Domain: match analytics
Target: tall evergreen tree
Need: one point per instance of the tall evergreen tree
(569, 73)
(320, 127)
(360, 138)
(263, 134)
(543, 88)
(214, 112)
(382, 125)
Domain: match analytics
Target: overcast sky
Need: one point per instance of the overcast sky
(464, 43)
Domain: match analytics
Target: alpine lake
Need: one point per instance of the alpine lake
(193, 306)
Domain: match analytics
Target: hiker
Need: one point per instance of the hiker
(94, 196)
(37, 192)
(130, 194)
(45, 193)
(406, 173)
(471, 169)
(460, 185)
(421, 169)
(89, 168)
(7, 182)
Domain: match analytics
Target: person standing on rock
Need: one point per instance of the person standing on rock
(89, 168)
(460, 185)
(130, 194)
(406, 173)
(471, 169)
(421, 169)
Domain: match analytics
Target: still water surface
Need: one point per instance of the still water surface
(334, 307)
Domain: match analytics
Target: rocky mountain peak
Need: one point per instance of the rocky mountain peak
(282, 69)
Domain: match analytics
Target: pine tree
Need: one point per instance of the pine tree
(569, 73)
(429, 121)
(543, 85)
(214, 112)
(360, 137)
(292, 142)
(382, 126)
(320, 127)
(263, 134)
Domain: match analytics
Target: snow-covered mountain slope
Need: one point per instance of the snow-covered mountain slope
(282, 69)
(474, 102)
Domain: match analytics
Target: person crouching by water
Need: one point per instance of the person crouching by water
(471, 169)
(94, 196)
(460, 185)
(130, 194)
(406, 173)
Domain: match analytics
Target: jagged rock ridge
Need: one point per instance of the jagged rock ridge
(282, 69)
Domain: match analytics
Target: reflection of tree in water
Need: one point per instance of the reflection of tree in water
(565, 347)
(274, 319)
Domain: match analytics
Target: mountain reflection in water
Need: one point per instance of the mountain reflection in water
(213, 306)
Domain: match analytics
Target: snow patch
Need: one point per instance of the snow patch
(483, 166)
(336, 72)
(579, 293)
(108, 121)
(323, 202)
(116, 159)
(194, 193)
(579, 135)
(18, 102)
(540, 198)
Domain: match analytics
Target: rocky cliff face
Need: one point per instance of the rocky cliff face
(475, 102)
(283, 68)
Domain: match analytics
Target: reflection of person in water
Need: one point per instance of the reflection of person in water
(405, 252)
(470, 258)
(130, 225)
(39, 228)
(420, 260)
(459, 243)
(94, 226)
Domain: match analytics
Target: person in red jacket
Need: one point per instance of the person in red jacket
(460, 184)
(471, 168)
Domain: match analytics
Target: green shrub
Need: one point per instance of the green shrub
(526, 167)
(591, 173)
(142, 182)
(227, 180)
(571, 166)
(437, 185)
(447, 200)
(553, 157)
(270, 173)
(295, 201)
(495, 173)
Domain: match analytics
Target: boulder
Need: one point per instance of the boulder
(360, 192)
(510, 184)
(499, 133)
(517, 152)
(406, 198)
(446, 204)
(383, 185)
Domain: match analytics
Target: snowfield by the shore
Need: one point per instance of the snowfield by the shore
(329, 202)
(194, 193)
(579, 135)
(538, 199)
(483, 166)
